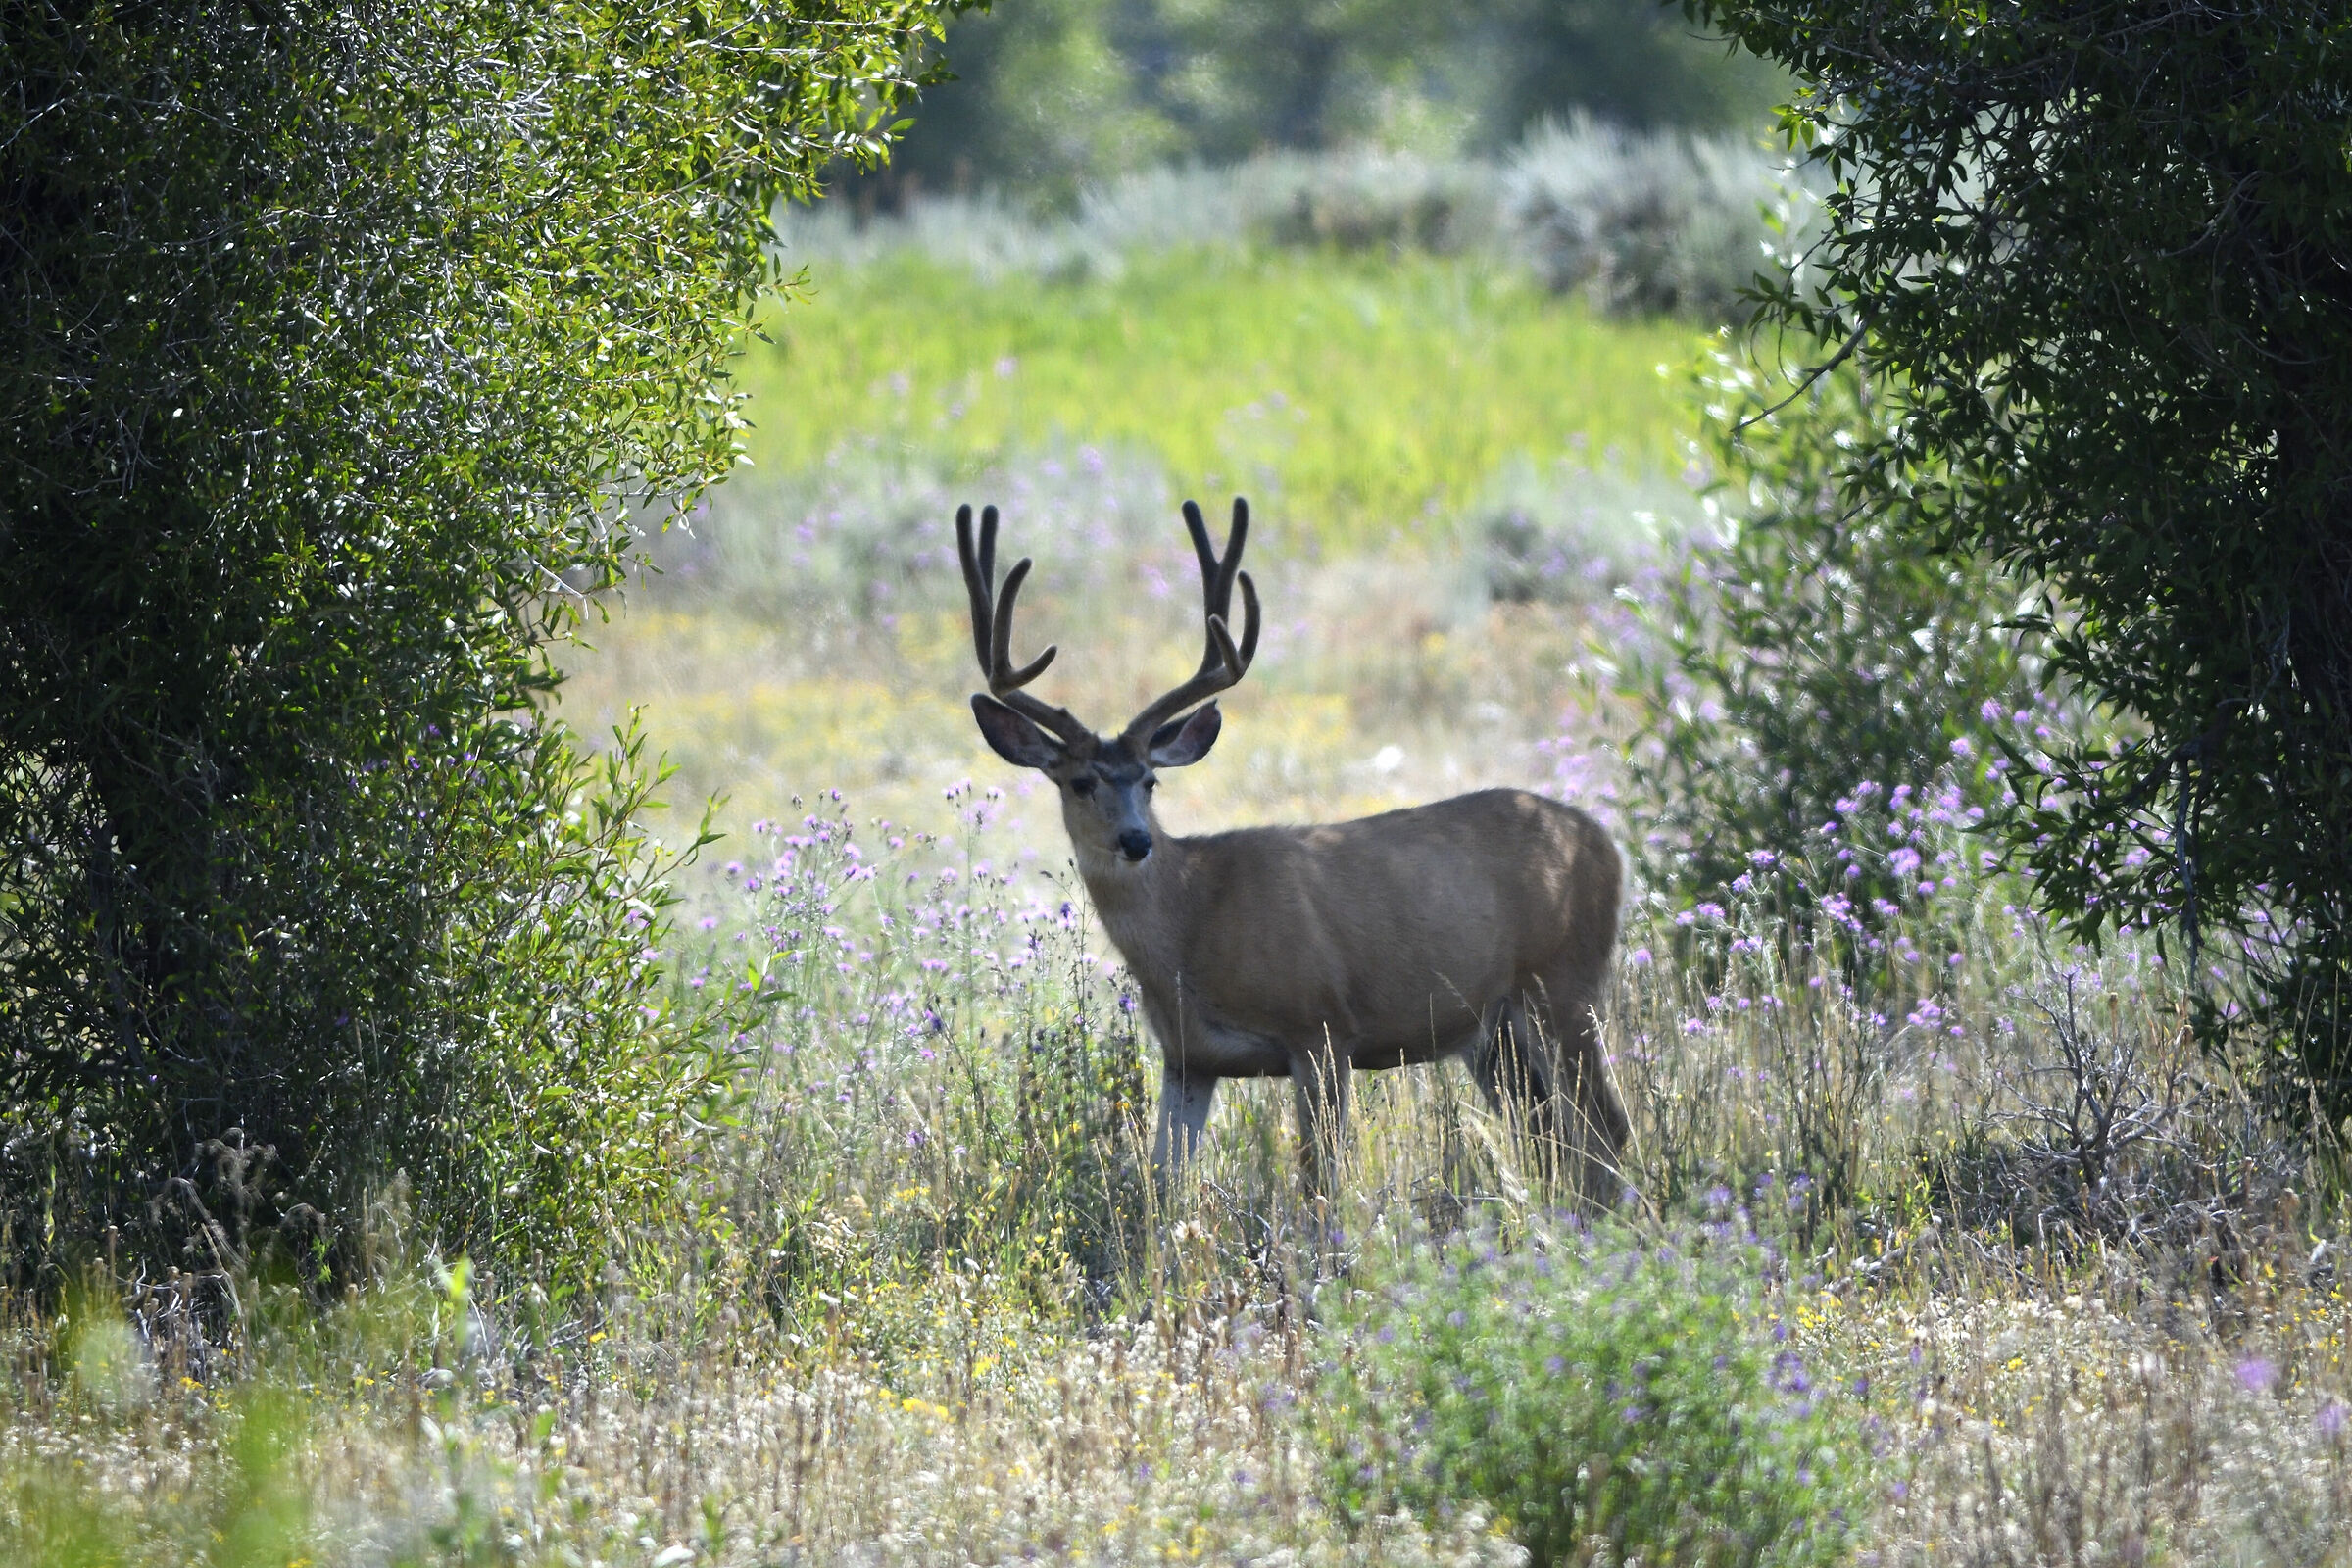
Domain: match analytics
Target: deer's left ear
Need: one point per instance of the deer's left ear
(1180, 742)
(1012, 737)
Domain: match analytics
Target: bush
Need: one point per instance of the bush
(1642, 223)
(1571, 533)
(341, 349)
(1353, 200)
(1806, 657)
(1590, 1388)
(2170, 457)
(1649, 222)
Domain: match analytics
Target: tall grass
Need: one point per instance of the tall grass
(923, 1304)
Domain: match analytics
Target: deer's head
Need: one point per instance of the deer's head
(1106, 780)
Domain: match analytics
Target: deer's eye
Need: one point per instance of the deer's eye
(1083, 784)
(1150, 785)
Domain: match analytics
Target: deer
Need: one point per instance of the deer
(1480, 927)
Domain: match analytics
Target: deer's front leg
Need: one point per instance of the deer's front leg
(1183, 1102)
(1319, 1078)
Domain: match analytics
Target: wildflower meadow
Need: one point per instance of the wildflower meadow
(1942, 1236)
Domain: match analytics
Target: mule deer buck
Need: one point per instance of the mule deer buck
(1480, 926)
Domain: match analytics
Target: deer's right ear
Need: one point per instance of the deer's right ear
(1012, 737)
(1180, 744)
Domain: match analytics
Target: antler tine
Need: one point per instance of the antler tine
(991, 628)
(979, 574)
(1206, 551)
(1223, 664)
(1217, 575)
(1000, 648)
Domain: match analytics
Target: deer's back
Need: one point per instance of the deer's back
(1405, 923)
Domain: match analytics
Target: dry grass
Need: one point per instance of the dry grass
(1381, 683)
(946, 1370)
(2025, 1421)
(922, 1304)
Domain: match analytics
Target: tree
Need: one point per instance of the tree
(1048, 94)
(347, 345)
(2101, 256)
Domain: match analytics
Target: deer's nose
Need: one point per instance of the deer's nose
(1135, 844)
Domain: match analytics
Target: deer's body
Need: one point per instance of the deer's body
(1480, 926)
(1394, 932)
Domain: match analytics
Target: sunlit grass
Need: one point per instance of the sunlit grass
(918, 1299)
(938, 1314)
(1381, 688)
(1356, 399)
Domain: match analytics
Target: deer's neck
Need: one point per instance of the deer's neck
(1140, 905)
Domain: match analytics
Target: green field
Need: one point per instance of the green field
(1358, 398)
(1369, 407)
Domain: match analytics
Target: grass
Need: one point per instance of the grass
(918, 1300)
(931, 1312)
(1385, 693)
(1357, 399)
(1089, 408)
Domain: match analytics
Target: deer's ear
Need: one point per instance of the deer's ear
(1012, 737)
(1182, 742)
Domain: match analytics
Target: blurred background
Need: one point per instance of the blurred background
(1432, 285)
(1054, 95)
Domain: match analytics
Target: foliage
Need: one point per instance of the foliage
(1594, 1388)
(1808, 664)
(946, 1058)
(2099, 252)
(1641, 222)
(1990, 1225)
(349, 344)
(1657, 223)
(1051, 96)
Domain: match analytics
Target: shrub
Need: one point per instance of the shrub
(1642, 223)
(341, 348)
(1571, 533)
(1802, 656)
(1586, 1387)
(1655, 221)
(1354, 199)
(2169, 456)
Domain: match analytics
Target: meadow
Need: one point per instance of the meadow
(1941, 1241)
(810, 632)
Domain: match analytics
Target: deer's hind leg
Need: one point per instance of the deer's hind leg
(1511, 1065)
(1584, 1122)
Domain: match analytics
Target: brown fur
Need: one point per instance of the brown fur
(1392, 940)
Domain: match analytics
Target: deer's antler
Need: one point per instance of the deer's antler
(1223, 663)
(991, 628)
